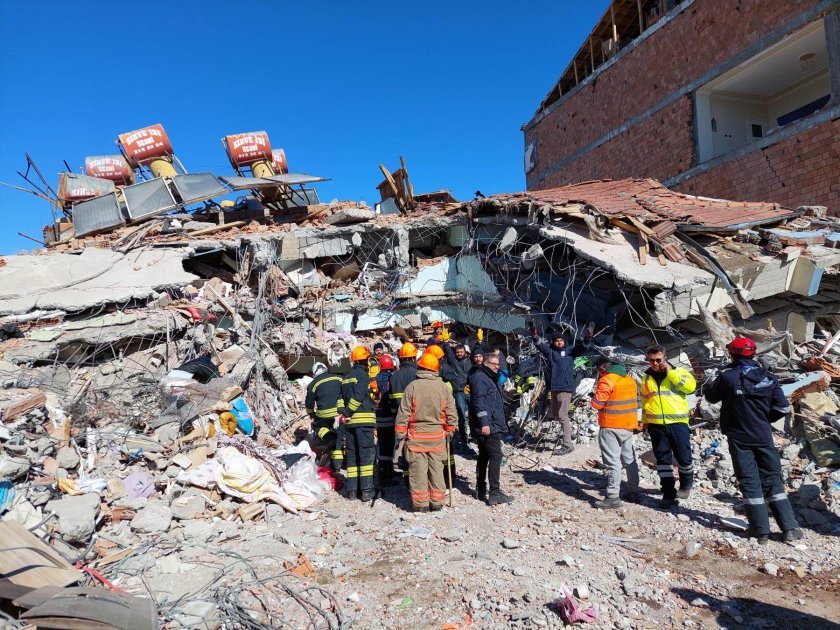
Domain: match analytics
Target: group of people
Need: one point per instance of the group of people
(751, 399)
(409, 413)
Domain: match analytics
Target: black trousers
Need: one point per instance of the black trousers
(331, 441)
(669, 441)
(361, 455)
(759, 473)
(386, 441)
(489, 462)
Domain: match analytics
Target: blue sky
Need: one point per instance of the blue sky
(341, 86)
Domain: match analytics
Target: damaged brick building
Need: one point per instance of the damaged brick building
(721, 98)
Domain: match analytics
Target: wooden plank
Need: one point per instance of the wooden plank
(24, 400)
(643, 247)
(216, 228)
(28, 561)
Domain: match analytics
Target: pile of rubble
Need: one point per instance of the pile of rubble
(153, 379)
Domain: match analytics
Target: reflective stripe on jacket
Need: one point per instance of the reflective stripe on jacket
(427, 413)
(617, 401)
(323, 397)
(355, 389)
(664, 402)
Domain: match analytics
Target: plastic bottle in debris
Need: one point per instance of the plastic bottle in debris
(711, 448)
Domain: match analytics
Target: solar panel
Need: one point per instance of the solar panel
(198, 186)
(148, 198)
(99, 213)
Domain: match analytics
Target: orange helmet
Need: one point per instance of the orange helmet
(408, 350)
(359, 353)
(428, 362)
(437, 325)
(436, 351)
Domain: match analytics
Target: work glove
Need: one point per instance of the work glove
(339, 420)
(444, 335)
(480, 335)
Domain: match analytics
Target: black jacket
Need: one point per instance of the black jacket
(355, 390)
(455, 370)
(752, 398)
(383, 392)
(487, 409)
(399, 381)
(323, 397)
(561, 363)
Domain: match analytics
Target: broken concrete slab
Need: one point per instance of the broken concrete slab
(155, 517)
(96, 277)
(76, 516)
(347, 216)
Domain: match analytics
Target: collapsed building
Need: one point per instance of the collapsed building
(136, 284)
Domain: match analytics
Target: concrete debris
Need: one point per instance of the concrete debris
(161, 370)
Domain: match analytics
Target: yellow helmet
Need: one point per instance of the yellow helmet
(359, 353)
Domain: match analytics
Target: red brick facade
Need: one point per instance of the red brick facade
(661, 145)
(802, 170)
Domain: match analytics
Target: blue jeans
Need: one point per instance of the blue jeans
(672, 441)
(462, 402)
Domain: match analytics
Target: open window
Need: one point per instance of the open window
(780, 86)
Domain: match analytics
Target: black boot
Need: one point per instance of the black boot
(481, 491)
(497, 497)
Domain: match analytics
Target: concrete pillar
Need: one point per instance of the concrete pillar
(832, 37)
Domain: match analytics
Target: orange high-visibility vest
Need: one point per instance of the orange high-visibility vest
(617, 401)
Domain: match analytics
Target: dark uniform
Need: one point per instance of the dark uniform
(399, 381)
(323, 404)
(752, 398)
(385, 425)
(360, 425)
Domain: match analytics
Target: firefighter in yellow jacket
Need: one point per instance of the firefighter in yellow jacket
(665, 414)
(427, 416)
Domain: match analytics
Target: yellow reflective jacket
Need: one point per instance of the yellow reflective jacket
(665, 402)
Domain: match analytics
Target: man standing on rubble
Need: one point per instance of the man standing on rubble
(385, 419)
(665, 413)
(425, 420)
(488, 425)
(751, 399)
(399, 381)
(561, 377)
(455, 372)
(360, 423)
(324, 405)
(373, 362)
(616, 398)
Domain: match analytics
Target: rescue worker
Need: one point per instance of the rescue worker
(385, 419)
(399, 381)
(561, 377)
(455, 372)
(360, 420)
(440, 334)
(324, 405)
(488, 426)
(425, 420)
(438, 353)
(665, 414)
(751, 399)
(616, 398)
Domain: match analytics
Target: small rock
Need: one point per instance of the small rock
(567, 561)
(621, 573)
(169, 564)
(353, 597)
(540, 621)
(771, 569)
(685, 518)
(340, 570)
(187, 507)
(155, 517)
(520, 572)
(800, 571)
(510, 543)
(699, 602)
(475, 604)
(581, 591)
(692, 549)
(67, 458)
